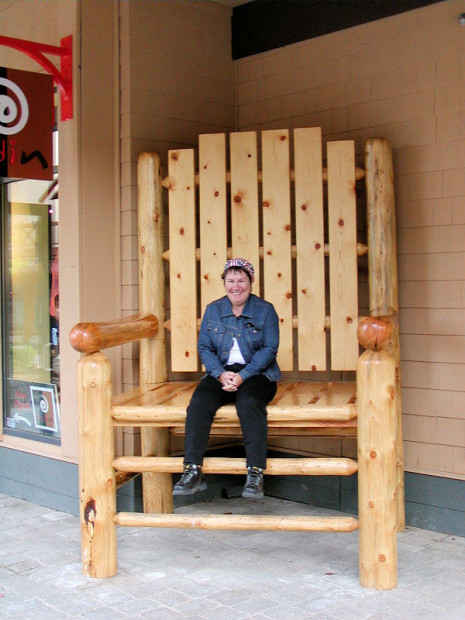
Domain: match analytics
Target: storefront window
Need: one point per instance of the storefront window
(30, 309)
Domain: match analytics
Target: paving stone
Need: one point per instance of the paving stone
(203, 575)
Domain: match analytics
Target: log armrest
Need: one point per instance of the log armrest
(92, 337)
(377, 332)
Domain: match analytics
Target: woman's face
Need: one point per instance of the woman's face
(238, 287)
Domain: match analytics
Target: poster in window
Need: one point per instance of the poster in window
(33, 407)
(44, 407)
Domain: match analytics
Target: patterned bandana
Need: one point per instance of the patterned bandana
(241, 263)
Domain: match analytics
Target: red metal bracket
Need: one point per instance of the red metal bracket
(62, 77)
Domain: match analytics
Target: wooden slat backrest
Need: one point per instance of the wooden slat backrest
(183, 266)
(277, 236)
(212, 217)
(342, 255)
(310, 242)
(245, 239)
(287, 250)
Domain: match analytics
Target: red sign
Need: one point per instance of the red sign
(26, 125)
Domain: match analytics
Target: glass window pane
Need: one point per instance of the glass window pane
(31, 367)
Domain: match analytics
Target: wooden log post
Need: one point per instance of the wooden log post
(97, 485)
(156, 487)
(377, 484)
(383, 283)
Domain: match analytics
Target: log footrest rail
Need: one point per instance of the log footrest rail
(219, 465)
(238, 522)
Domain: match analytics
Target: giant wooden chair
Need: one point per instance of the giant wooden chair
(295, 220)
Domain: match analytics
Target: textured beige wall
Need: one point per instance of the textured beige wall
(88, 172)
(44, 23)
(404, 78)
(177, 81)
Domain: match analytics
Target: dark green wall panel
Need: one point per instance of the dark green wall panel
(431, 502)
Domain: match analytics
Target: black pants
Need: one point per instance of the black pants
(250, 399)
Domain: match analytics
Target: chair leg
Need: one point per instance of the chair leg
(97, 485)
(377, 479)
(157, 488)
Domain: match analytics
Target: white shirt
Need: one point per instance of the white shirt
(235, 355)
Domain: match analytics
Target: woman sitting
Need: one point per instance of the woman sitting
(238, 344)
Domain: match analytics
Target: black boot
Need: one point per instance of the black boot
(191, 481)
(253, 487)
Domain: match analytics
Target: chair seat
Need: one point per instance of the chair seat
(322, 408)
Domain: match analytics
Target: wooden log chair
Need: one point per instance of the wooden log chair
(298, 235)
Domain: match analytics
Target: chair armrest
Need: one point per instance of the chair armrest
(91, 337)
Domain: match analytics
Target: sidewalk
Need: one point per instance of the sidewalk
(176, 574)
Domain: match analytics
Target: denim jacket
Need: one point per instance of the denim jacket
(256, 331)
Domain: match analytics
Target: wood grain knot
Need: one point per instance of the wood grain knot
(205, 277)
(174, 156)
(187, 353)
(289, 295)
(382, 557)
(373, 454)
(313, 367)
(349, 319)
(304, 291)
(142, 249)
(341, 222)
(217, 193)
(317, 246)
(371, 504)
(237, 198)
(282, 138)
(304, 207)
(269, 252)
(181, 231)
(90, 512)
(287, 227)
(279, 275)
(266, 203)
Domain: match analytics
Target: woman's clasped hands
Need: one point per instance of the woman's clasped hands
(230, 381)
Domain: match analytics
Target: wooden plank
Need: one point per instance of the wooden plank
(97, 483)
(310, 262)
(213, 226)
(277, 236)
(244, 200)
(157, 488)
(302, 394)
(329, 466)
(298, 400)
(152, 359)
(343, 255)
(338, 394)
(182, 264)
(377, 479)
(382, 269)
(304, 430)
(239, 522)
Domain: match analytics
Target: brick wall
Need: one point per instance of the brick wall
(402, 77)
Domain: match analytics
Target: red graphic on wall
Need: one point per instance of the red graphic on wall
(26, 125)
